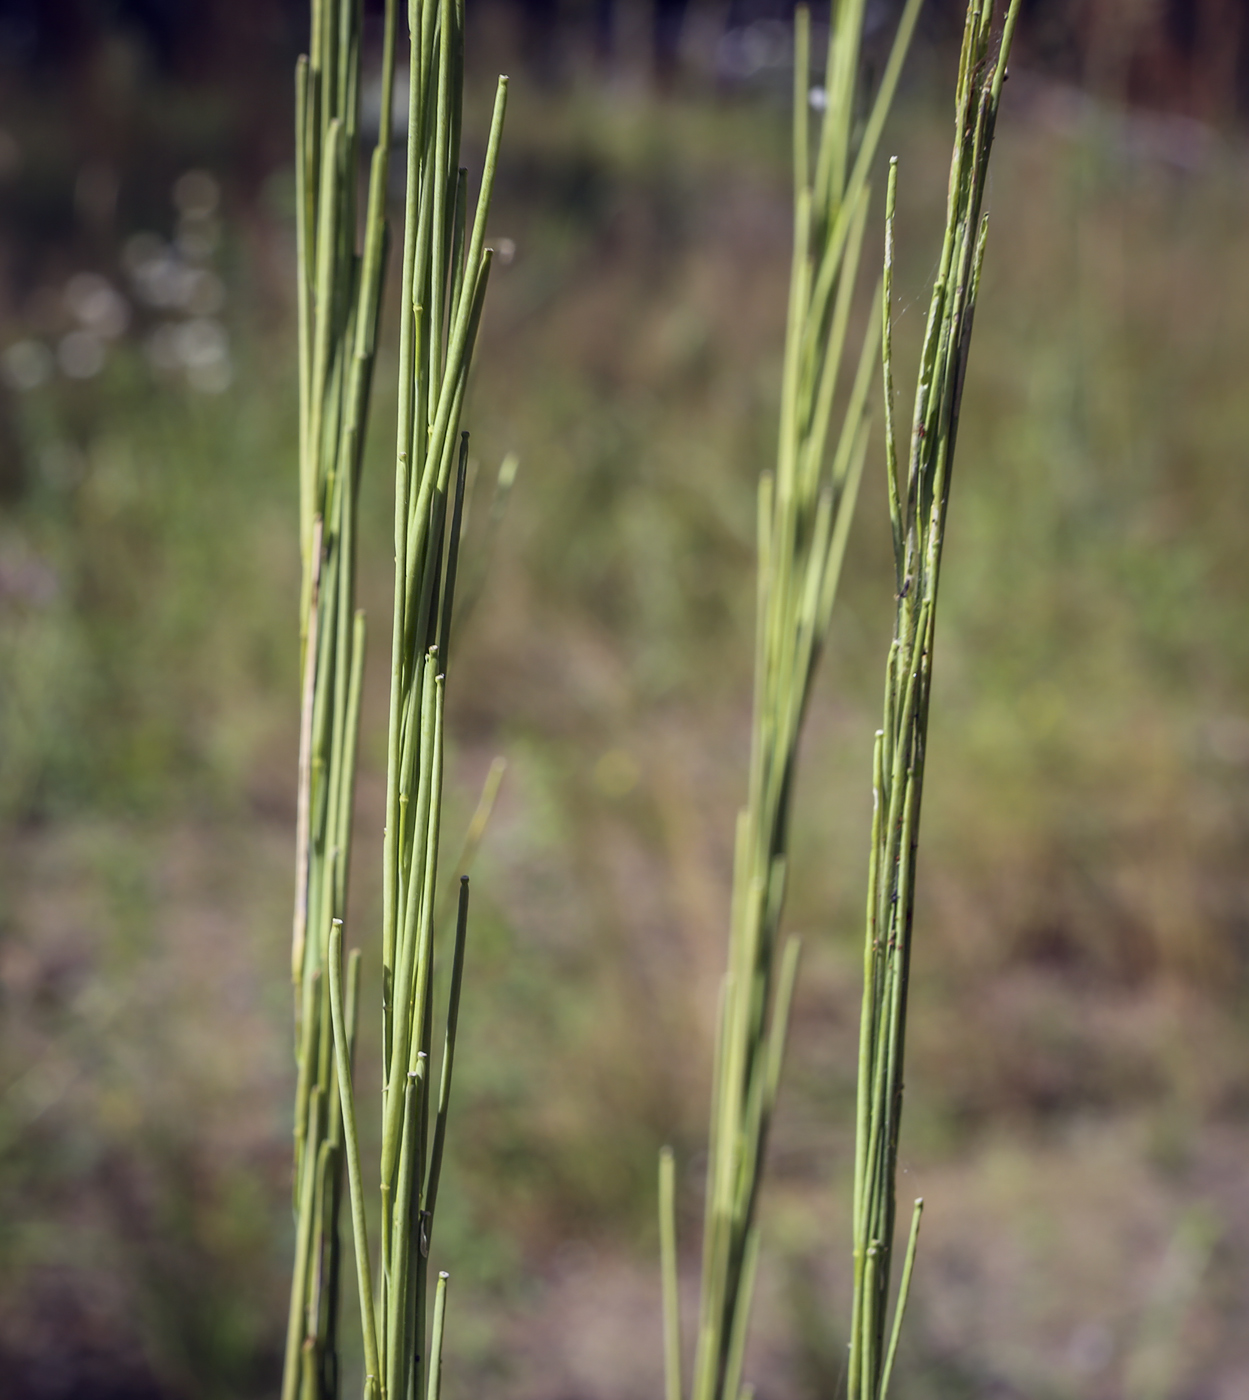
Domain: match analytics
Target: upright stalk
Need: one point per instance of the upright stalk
(340, 277)
(805, 508)
(444, 275)
(918, 508)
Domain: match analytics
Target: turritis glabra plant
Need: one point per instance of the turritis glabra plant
(804, 514)
(341, 269)
(338, 294)
(919, 498)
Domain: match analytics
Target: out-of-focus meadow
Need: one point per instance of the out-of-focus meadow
(1078, 1097)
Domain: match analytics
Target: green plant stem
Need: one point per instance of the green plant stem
(445, 269)
(805, 509)
(347, 1099)
(338, 301)
(918, 508)
(668, 1262)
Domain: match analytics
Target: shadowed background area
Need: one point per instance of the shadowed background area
(1078, 1096)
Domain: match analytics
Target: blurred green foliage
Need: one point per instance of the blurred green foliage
(1078, 1062)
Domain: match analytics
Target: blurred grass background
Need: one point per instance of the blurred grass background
(1078, 1115)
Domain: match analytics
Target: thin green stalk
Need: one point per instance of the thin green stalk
(904, 1293)
(341, 272)
(435, 1344)
(364, 1274)
(396, 1348)
(668, 1268)
(403, 464)
(805, 509)
(303, 1250)
(448, 1051)
(917, 509)
(445, 270)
